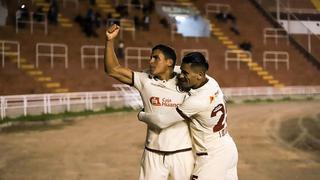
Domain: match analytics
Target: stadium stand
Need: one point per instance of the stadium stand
(88, 75)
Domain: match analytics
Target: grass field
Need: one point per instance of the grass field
(273, 141)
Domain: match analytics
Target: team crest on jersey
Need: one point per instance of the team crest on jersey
(211, 99)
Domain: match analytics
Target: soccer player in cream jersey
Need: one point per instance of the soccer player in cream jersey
(205, 109)
(167, 151)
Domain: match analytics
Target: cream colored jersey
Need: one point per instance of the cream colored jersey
(160, 96)
(205, 108)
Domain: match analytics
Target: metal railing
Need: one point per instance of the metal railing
(76, 2)
(308, 43)
(52, 53)
(205, 52)
(17, 105)
(237, 56)
(32, 22)
(216, 8)
(275, 33)
(127, 25)
(96, 56)
(6, 50)
(276, 57)
(272, 91)
(137, 53)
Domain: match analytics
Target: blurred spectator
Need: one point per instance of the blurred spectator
(136, 4)
(88, 26)
(146, 22)
(122, 10)
(38, 14)
(232, 18)
(222, 17)
(22, 14)
(151, 6)
(53, 12)
(92, 2)
(3, 13)
(90, 15)
(97, 19)
(246, 45)
(234, 28)
(120, 50)
(164, 22)
(89, 29)
(137, 22)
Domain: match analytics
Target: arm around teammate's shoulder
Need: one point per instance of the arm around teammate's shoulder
(161, 120)
(111, 62)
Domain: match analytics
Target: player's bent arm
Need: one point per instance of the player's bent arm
(111, 63)
(112, 66)
(160, 120)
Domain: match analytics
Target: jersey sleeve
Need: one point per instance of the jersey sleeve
(193, 105)
(138, 79)
(160, 120)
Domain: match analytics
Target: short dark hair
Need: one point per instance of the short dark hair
(196, 59)
(167, 51)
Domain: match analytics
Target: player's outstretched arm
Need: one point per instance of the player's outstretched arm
(111, 63)
(160, 120)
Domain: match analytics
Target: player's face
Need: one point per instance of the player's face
(188, 78)
(158, 63)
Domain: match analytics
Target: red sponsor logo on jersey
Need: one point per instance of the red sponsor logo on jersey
(155, 101)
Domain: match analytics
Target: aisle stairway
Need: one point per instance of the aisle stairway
(63, 21)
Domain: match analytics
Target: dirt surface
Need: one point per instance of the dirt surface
(110, 146)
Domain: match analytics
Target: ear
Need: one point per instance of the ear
(170, 62)
(200, 75)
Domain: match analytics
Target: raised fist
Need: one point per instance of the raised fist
(112, 32)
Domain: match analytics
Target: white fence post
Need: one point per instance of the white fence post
(25, 104)
(45, 104)
(68, 102)
(2, 110)
(49, 103)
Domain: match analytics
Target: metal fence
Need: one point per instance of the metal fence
(17, 105)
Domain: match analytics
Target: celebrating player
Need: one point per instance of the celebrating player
(168, 151)
(205, 109)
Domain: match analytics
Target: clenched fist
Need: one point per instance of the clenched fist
(112, 32)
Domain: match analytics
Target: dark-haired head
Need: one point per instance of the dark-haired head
(196, 60)
(167, 51)
(193, 71)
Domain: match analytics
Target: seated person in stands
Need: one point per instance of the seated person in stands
(234, 28)
(222, 16)
(164, 22)
(53, 14)
(246, 45)
(22, 15)
(39, 14)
